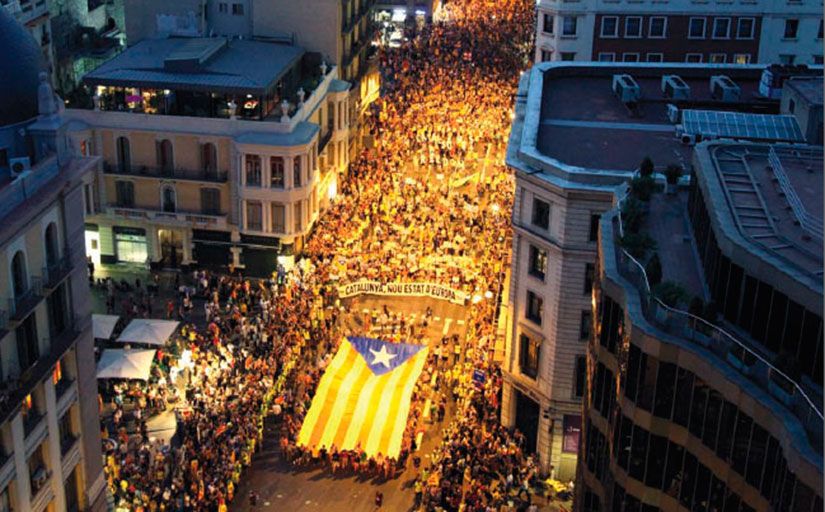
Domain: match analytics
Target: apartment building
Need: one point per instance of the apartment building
(215, 151)
(716, 409)
(717, 32)
(50, 448)
(580, 132)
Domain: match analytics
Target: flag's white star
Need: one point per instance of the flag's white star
(382, 356)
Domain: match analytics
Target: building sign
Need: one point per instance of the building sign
(435, 291)
(572, 426)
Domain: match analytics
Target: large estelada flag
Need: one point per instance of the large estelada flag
(364, 397)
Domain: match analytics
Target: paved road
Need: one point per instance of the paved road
(284, 487)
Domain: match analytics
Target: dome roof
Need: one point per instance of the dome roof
(20, 64)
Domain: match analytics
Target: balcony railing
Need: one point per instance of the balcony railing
(21, 305)
(180, 217)
(178, 174)
(721, 342)
(55, 273)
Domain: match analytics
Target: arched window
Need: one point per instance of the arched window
(209, 159)
(19, 277)
(124, 156)
(168, 199)
(52, 249)
(165, 156)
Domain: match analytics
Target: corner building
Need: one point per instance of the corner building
(50, 448)
(574, 145)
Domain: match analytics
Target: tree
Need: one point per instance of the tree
(653, 269)
(646, 167)
(632, 215)
(638, 244)
(671, 293)
(641, 187)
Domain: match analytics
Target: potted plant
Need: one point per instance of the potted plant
(646, 167)
(653, 269)
(672, 174)
(641, 187)
(671, 293)
(632, 215)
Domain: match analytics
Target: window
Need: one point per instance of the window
(610, 26)
(296, 172)
(165, 156)
(696, 28)
(791, 29)
(569, 26)
(297, 214)
(693, 57)
(278, 218)
(51, 244)
(125, 194)
(88, 202)
(819, 30)
(721, 28)
(718, 58)
(276, 171)
(529, 353)
(28, 350)
(589, 273)
(633, 27)
(817, 59)
(568, 56)
(223, 8)
(167, 199)
(124, 157)
(655, 57)
(630, 57)
(211, 201)
(607, 57)
(64, 429)
(744, 28)
(741, 58)
(253, 170)
(19, 276)
(541, 214)
(547, 25)
(546, 55)
(657, 28)
(581, 377)
(787, 59)
(535, 306)
(254, 216)
(37, 471)
(538, 262)
(209, 159)
(237, 9)
(584, 324)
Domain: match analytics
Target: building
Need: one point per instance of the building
(75, 35)
(215, 151)
(407, 11)
(340, 31)
(49, 427)
(680, 31)
(581, 130)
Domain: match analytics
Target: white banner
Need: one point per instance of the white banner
(435, 291)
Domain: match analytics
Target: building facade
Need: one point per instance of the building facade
(573, 142)
(49, 426)
(731, 32)
(212, 174)
(718, 409)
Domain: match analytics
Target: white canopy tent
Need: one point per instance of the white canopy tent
(103, 325)
(148, 331)
(125, 364)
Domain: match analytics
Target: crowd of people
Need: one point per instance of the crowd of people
(427, 201)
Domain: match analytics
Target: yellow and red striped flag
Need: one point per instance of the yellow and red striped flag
(364, 397)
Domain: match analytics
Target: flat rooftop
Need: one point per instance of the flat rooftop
(809, 88)
(584, 124)
(774, 196)
(234, 66)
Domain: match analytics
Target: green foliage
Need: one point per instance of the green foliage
(670, 293)
(638, 244)
(654, 270)
(632, 215)
(641, 187)
(672, 173)
(646, 167)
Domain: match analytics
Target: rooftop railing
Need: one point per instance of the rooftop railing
(727, 346)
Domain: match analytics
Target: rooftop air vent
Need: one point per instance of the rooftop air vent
(724, 89)
(675, 88)
(626, 89)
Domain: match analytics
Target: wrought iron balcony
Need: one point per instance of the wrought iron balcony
(23, 304)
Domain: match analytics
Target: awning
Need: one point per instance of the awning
(125, 364)
(103, 325)
(148, 331)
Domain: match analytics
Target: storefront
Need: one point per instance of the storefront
(211, 249)
(527, 421)
(259, 255)
(92, 233)
(130, 245)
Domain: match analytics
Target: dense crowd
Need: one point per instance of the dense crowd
(429, 200)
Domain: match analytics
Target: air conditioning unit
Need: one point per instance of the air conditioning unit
(675, 88)
(626, 89)
(688, 139)
(19, 165)
(673, 114)
(724, 89)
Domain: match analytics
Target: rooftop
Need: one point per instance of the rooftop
(199, 64)
(809, 88)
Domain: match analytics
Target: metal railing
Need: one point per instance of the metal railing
(54, 273)
(214, 176)
(808, 222)
(724, 344)
(22, 304)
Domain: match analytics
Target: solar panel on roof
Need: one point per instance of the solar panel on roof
(741, 126)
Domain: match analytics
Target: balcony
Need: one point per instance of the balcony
(142, 171)
(23, 304)
(178, 218)
(32, 421)
(55, 273)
